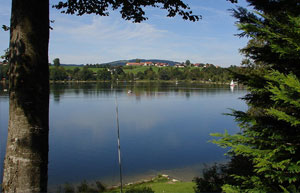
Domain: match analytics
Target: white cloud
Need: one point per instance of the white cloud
(211, 10)
(107, 38)
(93, 39)
(105, 28)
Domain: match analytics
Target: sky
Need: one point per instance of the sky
(91, 39)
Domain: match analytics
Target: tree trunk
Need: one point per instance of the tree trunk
(26, 160)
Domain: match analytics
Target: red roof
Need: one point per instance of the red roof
(162, 64)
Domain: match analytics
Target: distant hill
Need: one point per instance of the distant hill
(123, 62)
(76, 65)
(71, 64)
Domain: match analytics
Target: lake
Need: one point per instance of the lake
(164, 128)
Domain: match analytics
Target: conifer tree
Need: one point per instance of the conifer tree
(270, 128)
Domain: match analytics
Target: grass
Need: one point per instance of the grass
(173, 187)
(96, 69)
(161, 184)
(136, 69)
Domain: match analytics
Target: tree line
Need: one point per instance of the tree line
(109, 73)
(212, 74)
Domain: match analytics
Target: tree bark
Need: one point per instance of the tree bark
(26, 159)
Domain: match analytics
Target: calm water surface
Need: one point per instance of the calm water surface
(164, 128)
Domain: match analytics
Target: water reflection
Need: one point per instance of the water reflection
(137, 90)
(3, 123)
(164, 127)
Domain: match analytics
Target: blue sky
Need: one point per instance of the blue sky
(94, 39)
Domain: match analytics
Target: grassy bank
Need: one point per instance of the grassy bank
(159, 184)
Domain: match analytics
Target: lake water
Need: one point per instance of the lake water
(164, 128)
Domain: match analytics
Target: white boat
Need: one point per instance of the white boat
(129, 92)
(232, 83)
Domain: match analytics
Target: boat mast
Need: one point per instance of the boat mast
(119, 146)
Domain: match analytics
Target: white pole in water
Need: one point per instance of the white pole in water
(119, 146)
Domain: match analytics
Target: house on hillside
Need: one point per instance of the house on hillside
(148, 63)
(179, 65)
(197, 65)
(140, 64)
(208, 65)
(162, 64)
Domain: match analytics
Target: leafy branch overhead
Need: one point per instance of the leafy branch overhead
(133, 10)
(5, 27)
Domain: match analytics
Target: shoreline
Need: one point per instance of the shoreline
(142, 81)
(136, 81)
(161, 180)
(181, 174)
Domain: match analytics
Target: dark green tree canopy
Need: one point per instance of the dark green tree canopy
(188, 62)
(270, 128)
(281, 48)
(129, 9)
(56, 62)
(275, 6)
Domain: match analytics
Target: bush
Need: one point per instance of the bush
(214, 177)
(58, 73)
